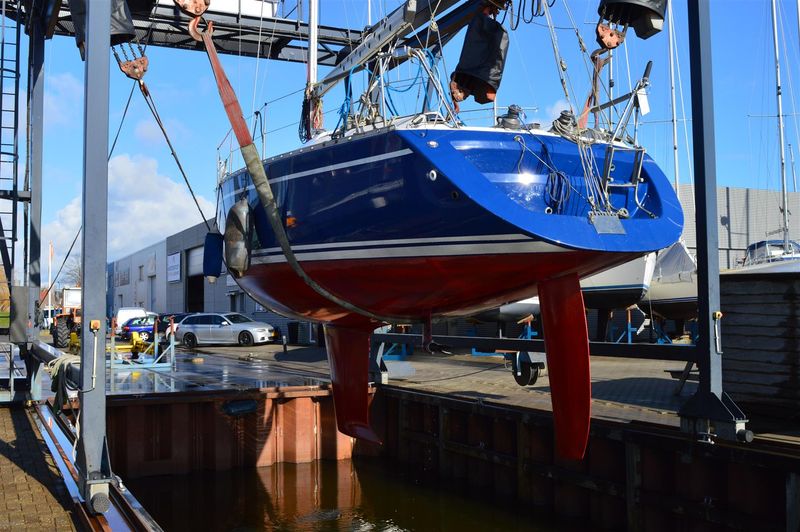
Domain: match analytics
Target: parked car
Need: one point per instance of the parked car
(163, 320)
(124, 314)
(141, 325)
(227, 328)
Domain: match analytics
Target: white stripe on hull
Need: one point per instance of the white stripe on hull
(452, 250)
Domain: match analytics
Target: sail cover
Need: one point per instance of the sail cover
(675, 264)
(483, 57)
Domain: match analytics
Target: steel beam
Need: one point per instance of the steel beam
(709, 410)
(92, 460)
(233, 34)
(35, 158)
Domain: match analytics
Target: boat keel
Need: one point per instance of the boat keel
(567, 346)
(348, 356)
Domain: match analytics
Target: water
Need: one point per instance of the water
(360, 495)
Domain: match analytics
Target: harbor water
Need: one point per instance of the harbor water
(347, 495)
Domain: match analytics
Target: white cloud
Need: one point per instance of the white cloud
(144, 207)
(62, 99)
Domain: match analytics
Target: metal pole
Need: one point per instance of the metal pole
(709, 408)
(313, 39)
(33, 212)
(780, 126)
(671, 33)
(50, 277)
(36, 102)
(92, 461)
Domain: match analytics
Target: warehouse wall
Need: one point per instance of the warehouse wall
(138, 280)
(745, 215)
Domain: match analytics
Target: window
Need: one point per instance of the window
(204, 319)
(141, 273)
(191, 320)
(233, 303)
(152, 291)
(217, 320)
(237, 318)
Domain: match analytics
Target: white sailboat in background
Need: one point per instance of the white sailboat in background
(673, 290)
(774, 256)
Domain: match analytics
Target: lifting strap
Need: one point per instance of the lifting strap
(257, 173)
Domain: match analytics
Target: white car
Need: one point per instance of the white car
(126, 313)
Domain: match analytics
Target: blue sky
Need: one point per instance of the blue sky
(148, 200)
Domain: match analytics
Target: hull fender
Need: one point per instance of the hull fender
(238, 231)
(567, 346)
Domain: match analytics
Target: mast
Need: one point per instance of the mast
(671, 35)
(780, 128)
(313, 38)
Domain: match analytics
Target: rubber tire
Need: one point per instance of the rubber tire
(61, 337)
(245, 339)
(144, 336)
(190, 340)
(529, 373)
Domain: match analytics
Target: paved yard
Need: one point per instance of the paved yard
(32, 493)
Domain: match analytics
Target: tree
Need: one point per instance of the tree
(72, 272)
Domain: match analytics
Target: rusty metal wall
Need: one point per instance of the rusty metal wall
(177, 433)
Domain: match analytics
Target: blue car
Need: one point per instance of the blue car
(141, 325)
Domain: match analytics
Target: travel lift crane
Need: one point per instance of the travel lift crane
(710, 409)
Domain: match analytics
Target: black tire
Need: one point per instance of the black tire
(190, 340)
(61, 337)
(528, 374)
(144, 336)
(245, 339)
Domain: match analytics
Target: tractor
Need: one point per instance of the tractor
(69, 319)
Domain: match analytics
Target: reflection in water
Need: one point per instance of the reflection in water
(321, 496)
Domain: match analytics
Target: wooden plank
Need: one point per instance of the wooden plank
(750, 319)
(756, 366)
(759, 344)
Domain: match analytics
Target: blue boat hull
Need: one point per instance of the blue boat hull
(440, 222)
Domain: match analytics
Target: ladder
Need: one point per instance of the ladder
(10, 365)
(9, 141)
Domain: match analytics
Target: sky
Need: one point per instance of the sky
(148, 200)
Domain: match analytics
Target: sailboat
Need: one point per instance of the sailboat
(391, 218)
(774, 256)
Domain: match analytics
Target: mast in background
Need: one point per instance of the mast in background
(671, 40)
(780, 128)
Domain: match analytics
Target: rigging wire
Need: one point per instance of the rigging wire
(258, 56)
(791, 83)
(122, 120)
